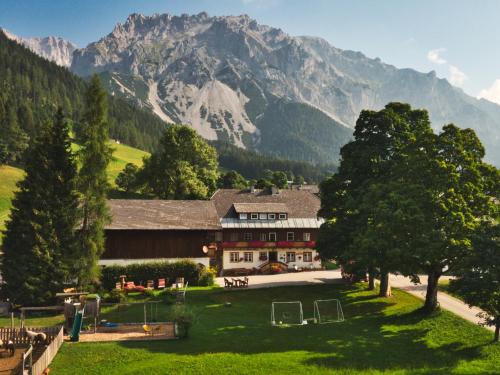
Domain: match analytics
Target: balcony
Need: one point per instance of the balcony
(263, 244)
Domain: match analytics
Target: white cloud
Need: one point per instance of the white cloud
(492, 93)
(457, 77)
(434, 56)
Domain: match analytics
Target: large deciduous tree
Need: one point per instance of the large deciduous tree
(479, 280)
(184, 167)
(405, 199)
(355, 200)
(95, 156)
(40, 238)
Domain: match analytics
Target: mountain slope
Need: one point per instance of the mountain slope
(223, 74)
(31, 88)
(55, 49)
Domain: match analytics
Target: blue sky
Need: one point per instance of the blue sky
(460, 40)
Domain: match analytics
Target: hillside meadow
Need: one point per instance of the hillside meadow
(9, 176)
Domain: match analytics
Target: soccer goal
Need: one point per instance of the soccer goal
(287, 313)
(328, 311)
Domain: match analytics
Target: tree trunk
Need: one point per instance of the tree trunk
(431, 301)
(497, 332)
(385, 287)
(371, 279)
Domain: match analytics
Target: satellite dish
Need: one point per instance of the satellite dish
(205, 249)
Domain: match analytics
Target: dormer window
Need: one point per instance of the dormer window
(243, 216)
(254, 216)
(282, 216)
(262, 216)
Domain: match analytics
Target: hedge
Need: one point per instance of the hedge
(140, 273)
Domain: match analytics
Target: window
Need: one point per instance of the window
(254, 216)
(248, 257)
(263, 216)
(263, 237)
(218, 236)
(263, 256)
(234, 236)
(307, 236)
(290, 236)
(247, 236)
(290, 257)
(272, 236)
(271, 216)
(234, 257)
(282, 216)
(308, 257)
(243, 216)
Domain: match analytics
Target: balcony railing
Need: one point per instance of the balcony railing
(263, 244)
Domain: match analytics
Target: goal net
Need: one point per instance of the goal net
(328, 311)
(287, 313)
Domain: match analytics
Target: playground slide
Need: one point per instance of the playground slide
(77, 325)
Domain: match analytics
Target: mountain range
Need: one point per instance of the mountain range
(257, 87)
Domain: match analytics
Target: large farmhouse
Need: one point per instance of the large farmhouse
(238, 230)
(262, 228)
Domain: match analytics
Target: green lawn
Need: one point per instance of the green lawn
(378, 336)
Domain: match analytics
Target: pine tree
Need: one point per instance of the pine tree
(95, 156)
(40, 235)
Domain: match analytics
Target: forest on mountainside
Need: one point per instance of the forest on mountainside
(31, 89)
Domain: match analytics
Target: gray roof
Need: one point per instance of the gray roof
(260, 207)
(299, 203)
(278, 224)
(162, 215)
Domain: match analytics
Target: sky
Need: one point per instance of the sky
(458, 39)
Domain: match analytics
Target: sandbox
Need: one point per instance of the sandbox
(130, 332)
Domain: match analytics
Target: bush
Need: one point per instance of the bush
(115, 296)
(183, 317)
(207, 276)
(140, 273)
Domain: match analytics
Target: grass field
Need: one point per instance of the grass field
(386, 336)
(9, 175)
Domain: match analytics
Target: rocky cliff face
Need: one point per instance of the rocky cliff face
(51, 48)
(229, 77)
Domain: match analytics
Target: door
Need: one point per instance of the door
(273, 256)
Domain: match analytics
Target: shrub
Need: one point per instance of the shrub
(207, 276)
(183, 317)
(115, 296)
(139, 273)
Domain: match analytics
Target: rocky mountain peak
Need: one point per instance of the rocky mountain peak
(226, 75)
(52, 48)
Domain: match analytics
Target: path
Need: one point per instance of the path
(445, 300)
(283, 279)
(327, 277)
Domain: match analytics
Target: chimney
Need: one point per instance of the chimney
(252, 189)
(274, 190)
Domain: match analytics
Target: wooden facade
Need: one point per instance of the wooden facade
(150, 244)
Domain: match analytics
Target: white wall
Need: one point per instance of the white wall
(281, 252)
(123, 262)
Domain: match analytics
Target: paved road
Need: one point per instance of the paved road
(329, 277)
(298, 278)
(445, 300)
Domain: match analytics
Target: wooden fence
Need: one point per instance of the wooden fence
(48, 355)
(18, 336)
(41, 356)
